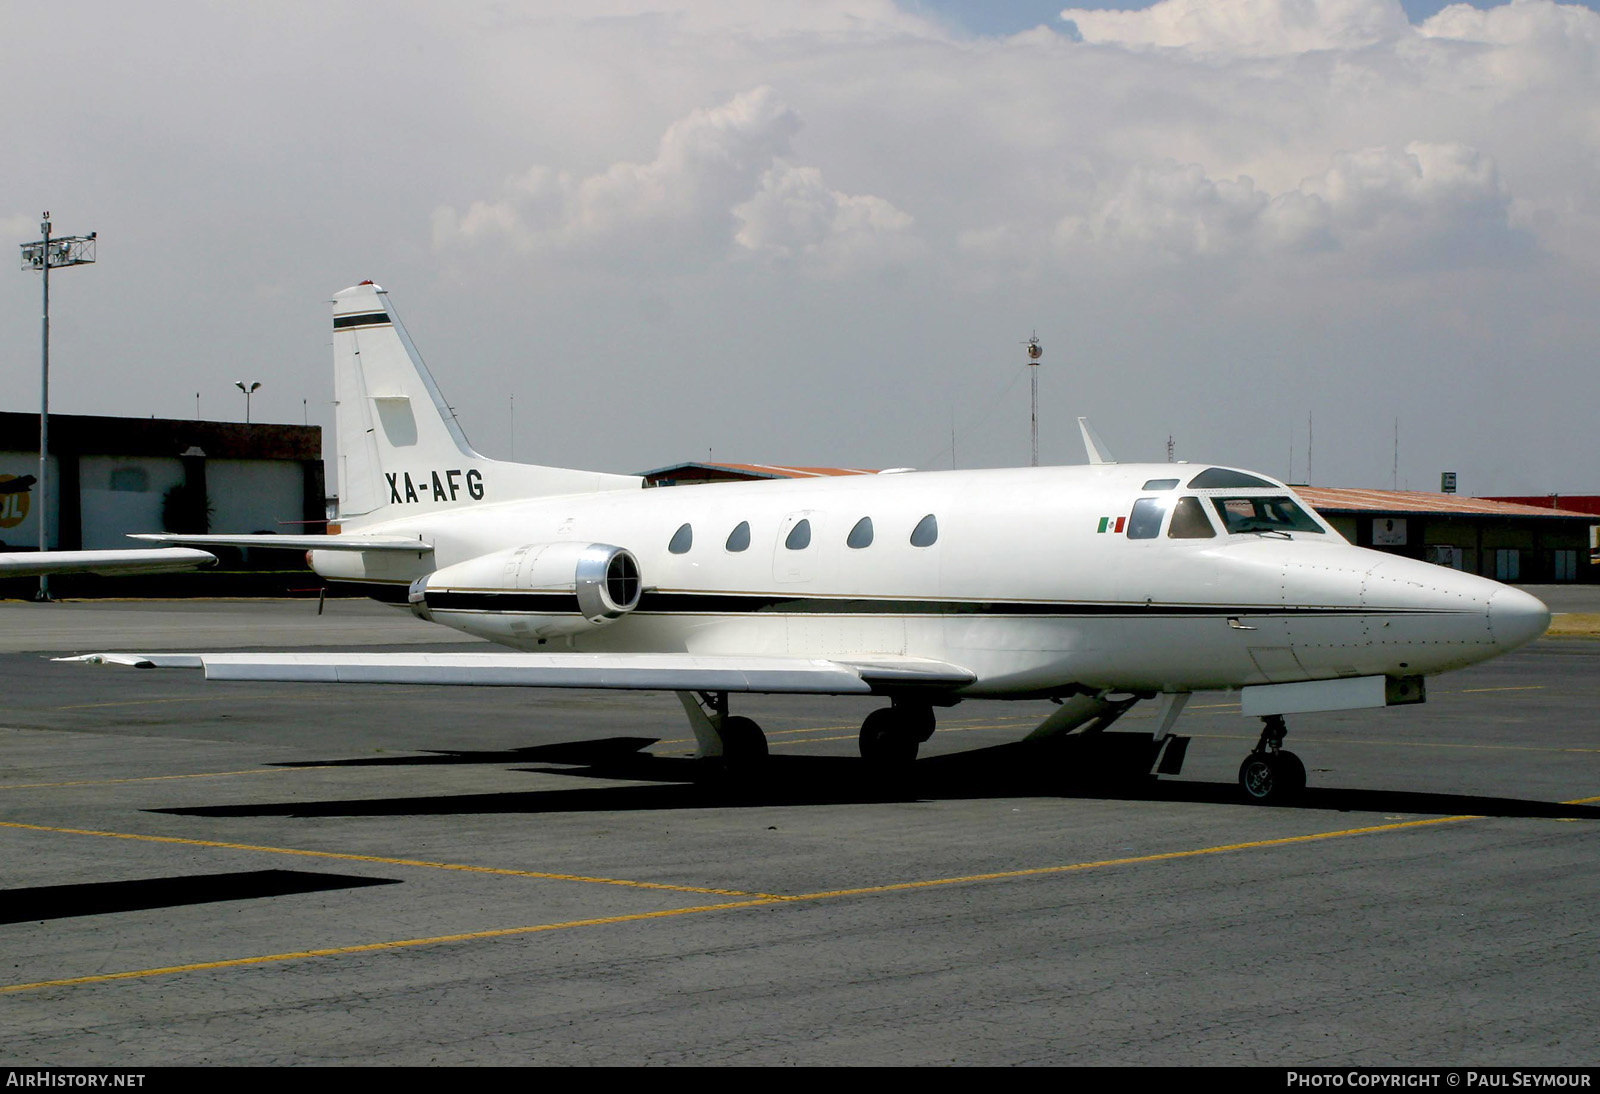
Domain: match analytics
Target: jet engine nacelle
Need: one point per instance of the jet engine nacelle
(538, 590)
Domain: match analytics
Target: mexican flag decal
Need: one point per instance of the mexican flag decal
(1111, 524)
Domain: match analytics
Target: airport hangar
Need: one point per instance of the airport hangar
(110, 476)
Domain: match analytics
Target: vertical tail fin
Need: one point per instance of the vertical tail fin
(401, 449)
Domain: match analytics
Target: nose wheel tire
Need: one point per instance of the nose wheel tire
(1272, 778)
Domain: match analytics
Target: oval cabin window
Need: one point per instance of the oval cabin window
(739, 538)
(926, 532)
(799, 537)
(861, 535)
(682, 540)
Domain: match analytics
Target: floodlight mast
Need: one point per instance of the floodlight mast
(248, 391)
(43, 255)
(1035, 351)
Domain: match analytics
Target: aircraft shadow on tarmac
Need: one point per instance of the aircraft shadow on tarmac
(44, 902)
(1001, 771)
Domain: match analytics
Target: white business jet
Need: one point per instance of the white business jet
(1096, 586)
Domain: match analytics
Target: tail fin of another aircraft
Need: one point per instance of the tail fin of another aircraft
(401, 450)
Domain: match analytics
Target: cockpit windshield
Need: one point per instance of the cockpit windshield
(1264, 514)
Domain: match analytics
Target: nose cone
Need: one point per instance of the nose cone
(1515, 618)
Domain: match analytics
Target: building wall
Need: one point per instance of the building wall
(122, 494)
(1505, 547)
(257, 496)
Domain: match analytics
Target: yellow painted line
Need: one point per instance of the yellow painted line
(346, 857)
(1136, 860)
(1475, 691)
(162, 778)
(378, 947)
(763, 900)
(180, 699)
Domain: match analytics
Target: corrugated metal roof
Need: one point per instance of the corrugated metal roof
(759, 470)
(1330, 499)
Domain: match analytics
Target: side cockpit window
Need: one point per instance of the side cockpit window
(1145, 521)
(1189, 521)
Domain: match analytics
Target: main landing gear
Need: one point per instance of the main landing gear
(890, 736)
(734, 742)
(1270, 775)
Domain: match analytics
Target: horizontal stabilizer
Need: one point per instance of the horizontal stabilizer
(628, 671)
(293, 543)
(107, 563)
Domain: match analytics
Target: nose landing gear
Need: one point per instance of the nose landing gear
(1271, 775)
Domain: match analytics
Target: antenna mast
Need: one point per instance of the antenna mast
(1035, 351)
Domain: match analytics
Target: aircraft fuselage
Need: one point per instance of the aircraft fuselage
(1038, 580)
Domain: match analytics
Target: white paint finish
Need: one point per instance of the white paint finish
(165, 561)
(1353, 694)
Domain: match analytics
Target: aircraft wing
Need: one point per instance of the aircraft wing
(292, 543)
(629, 671)
(135, 561)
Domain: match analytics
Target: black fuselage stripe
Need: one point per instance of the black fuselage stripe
(660, 603)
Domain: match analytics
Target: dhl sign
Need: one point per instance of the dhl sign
(15, 499)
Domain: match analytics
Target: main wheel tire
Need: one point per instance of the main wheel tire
(1271, 778)
(887, 742)
(743, 743)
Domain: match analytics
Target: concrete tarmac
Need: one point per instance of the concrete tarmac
(251, 873)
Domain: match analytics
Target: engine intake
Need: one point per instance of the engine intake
(537, 590)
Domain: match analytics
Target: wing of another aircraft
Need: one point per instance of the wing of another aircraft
(133, 561)
(292, 543)
(628, 671)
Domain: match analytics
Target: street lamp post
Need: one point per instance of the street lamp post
(44, 255)
(248, 391)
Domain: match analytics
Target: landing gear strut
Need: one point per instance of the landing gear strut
(1270, 775)
(890, 736)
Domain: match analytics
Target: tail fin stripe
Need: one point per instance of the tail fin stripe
(371, 319)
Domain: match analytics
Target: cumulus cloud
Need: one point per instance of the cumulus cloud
(1245, 27)
(1424, 204)
(1520, 21)
(720, 175)
(795, 214)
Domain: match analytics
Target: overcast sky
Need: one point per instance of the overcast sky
(820, 231)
